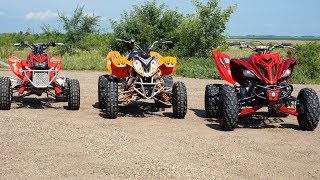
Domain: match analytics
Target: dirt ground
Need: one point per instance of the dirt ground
(41, 141)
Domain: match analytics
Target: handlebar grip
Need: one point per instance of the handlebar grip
(59, 44)
(17, 44)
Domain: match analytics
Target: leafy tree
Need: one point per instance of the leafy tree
(203, 30)
(146, 23)
(77, 27)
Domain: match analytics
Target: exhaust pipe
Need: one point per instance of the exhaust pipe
(4, 65)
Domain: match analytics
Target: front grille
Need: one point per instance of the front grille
(40, 79)
(263, 70)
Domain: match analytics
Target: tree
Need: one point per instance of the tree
(77, 27)
(146, 23)
(203, 30)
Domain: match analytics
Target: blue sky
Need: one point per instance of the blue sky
(252, 17)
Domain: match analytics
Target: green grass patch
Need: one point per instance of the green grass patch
(197, 68)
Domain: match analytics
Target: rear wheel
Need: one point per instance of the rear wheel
(308, 109)
(179, 100)
(229, 108)
(102, 85)
(5, 93)
(212, 100)
(74, 94)
(111, 99)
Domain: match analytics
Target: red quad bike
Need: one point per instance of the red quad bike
(36, 75)
(258, 81)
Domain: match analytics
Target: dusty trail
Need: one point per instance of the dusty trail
(41, 141)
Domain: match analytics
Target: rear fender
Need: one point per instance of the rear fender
(56, 63)
(117, 65)
(16, 65)
(223, 64)
(167, 65)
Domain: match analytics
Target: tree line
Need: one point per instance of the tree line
(193, 34)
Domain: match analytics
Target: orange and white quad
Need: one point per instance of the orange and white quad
(142, 74)
(38, 74)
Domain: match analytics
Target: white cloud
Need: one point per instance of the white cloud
(41, 15)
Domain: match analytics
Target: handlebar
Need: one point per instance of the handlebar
(261, 48)
(130, 41)
(134, 42)
(44, 45)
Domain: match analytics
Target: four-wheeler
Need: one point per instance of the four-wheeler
(142, 74)
(38, 74)
(255, 82)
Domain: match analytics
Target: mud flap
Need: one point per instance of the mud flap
(223, 64)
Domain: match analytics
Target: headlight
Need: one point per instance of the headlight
(138, 67)
(249, 74)
(153, 67)
(43, 65)
(286, 73)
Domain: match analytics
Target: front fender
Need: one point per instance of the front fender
(223, 64)
(167, 65)
(117, 65)
(16, 66)
(286, 64)
(56, 63)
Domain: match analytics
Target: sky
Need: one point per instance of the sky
(252, 17)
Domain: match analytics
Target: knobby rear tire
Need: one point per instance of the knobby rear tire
(74, 95)
(102, 85)
(179, 100)
(111, 99)
(211, 100)
(5, 93)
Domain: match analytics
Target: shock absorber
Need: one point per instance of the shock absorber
(128, 95)
(164, 95)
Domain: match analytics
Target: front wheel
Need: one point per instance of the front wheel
(229, 108)
(308, 109)
(5, 93)
(111, 99)
(179, 100)
(74, 94)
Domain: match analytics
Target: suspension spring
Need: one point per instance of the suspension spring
(128, 95)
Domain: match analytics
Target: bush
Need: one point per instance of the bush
(307, 69)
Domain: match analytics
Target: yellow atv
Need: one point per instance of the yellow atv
(142, 74)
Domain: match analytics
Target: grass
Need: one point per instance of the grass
(197, 68)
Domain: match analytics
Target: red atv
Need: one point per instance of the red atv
(37, 75)
(258, 81)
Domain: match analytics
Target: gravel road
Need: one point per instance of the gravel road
(41, 141)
